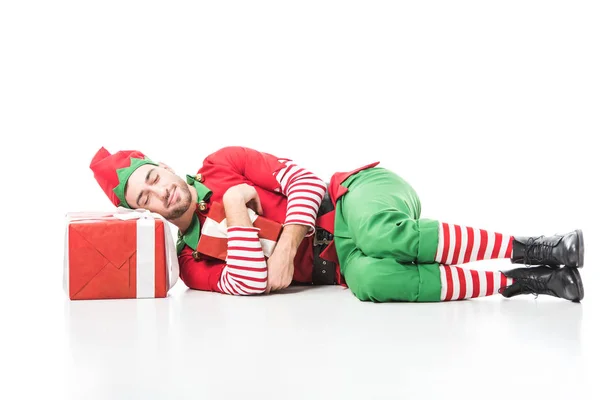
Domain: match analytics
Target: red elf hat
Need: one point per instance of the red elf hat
(113, 170)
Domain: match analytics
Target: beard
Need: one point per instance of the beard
(183, 203)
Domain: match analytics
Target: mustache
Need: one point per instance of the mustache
(168, 192)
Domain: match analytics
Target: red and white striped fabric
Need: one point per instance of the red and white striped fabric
(304, 192)
(246, 269)
(462, 244)
(458, 283)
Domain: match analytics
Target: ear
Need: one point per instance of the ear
(165, 166)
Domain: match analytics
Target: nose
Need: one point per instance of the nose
(158, 191)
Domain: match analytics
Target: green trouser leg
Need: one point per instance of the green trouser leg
(386, 252)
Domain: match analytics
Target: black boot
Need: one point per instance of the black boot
(559, 282)
(564, 250)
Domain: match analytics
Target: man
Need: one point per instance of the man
(363, 229)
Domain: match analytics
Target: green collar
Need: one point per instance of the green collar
(192, 234)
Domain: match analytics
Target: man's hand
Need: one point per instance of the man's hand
(281, 263)
(235, 201)
(246, 194)
(280, 267)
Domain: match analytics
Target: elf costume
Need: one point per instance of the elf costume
(365, 231)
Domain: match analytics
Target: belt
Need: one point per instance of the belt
(323, 271)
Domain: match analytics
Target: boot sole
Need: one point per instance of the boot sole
(579, 281)
(581, 248)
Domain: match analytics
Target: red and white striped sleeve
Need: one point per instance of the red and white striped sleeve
(246, 269)
(304, 191)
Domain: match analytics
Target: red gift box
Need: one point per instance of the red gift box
(118, 256)
(213, 236)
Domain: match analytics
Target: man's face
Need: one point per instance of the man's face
(159, 190)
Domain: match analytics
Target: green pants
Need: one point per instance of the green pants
(386, 251)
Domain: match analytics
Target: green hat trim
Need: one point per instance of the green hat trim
(125, 173)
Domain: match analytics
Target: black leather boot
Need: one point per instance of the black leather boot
(565, 283)
(564, 250)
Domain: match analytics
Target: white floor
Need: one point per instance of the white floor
(305, 343)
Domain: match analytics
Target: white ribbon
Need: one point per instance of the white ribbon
(145, 262)
(145, 268)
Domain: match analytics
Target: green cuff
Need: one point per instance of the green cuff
(428, 240)
(430, 285)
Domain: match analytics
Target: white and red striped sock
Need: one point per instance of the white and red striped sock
(462, 244)
(459, 283)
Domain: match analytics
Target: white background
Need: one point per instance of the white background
(489, 109)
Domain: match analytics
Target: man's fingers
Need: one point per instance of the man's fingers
(274, 287)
